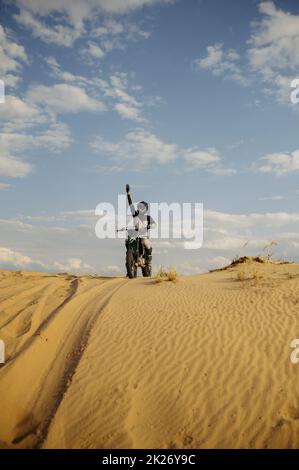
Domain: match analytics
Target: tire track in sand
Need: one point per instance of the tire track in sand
(35, 429)
(72, 291)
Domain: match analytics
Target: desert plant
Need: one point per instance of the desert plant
(163, 274)
(266, 249)
(172, 275)
(254, 275)
(237, 257)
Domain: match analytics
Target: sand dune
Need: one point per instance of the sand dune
(94, 362)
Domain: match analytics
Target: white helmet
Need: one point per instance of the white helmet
(142, 207)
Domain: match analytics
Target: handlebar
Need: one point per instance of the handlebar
(126, 229)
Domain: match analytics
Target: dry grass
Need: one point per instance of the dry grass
(169, 274)
(266, 249)
(250, 275)
(250, 260)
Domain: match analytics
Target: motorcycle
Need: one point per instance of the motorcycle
(135, 255)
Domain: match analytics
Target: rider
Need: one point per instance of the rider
(143, 222)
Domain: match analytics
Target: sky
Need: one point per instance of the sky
(186, 100)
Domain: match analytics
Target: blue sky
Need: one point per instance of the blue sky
(186, 100)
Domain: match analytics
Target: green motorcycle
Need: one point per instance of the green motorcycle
(135, 255)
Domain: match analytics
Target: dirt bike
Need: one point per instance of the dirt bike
(135, 256)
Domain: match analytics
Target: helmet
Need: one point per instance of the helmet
(142, 207)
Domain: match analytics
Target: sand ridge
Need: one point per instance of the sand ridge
(204, 362)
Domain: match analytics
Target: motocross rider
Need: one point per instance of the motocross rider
(143, 222)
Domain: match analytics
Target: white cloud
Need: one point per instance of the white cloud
(25, 126)
(78, 11)
(280, 163)
(128, 112)
(15, 141)
(115, 92)
(55, 137)
(119, 6)
(10, 259)
(213, 58)
(63, 98)
(271, 198)
(237, 221)
(221, 62)
(274, 48)
(271, 55)
(201, 159)
(226, 243)
(112, 34)
(57, 34)
(11, 167)
(70, 18)
(113, 269)
(12, 58)
(73, 265)
(275, 39)
(81, 213)
(146, 148)
(248, 234)
(30, 123)
(206, 159)
(57, 72)
(15, 113)
(108, 28)
(139, 145)
(126, 105)
(94, 50)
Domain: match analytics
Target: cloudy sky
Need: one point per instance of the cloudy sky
(187, 100)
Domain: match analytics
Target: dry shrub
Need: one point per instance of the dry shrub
(266, 249)
(254, 275)
(169, 274)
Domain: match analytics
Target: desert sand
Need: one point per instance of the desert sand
(203, 362)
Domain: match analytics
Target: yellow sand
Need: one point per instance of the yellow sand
(114, 363)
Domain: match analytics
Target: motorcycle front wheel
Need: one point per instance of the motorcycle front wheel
(146, 271)
(130, 265)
